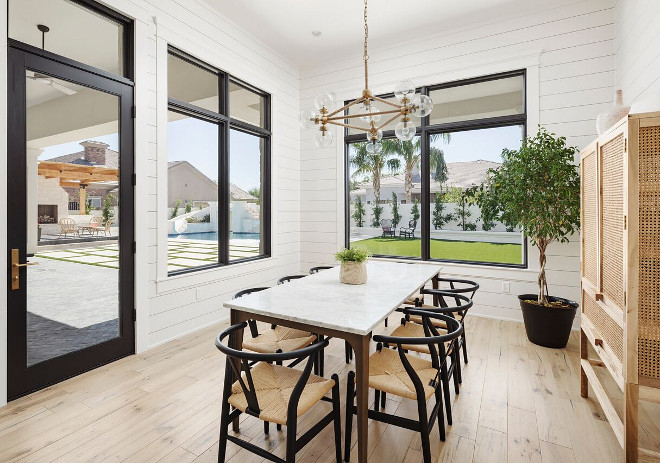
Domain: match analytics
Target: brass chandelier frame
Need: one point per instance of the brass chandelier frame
(403, 110)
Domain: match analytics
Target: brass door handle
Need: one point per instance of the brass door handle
(15, 266)
(25, 264)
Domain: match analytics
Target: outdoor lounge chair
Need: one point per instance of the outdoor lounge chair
(67, 226)
(409, 231)
(95, 223)
(388, 229)
(105, 229)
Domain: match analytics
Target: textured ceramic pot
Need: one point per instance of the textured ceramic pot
(615, 114)
(353, 273)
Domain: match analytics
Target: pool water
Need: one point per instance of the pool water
(213, 236)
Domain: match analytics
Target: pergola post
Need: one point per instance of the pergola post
(83, 199)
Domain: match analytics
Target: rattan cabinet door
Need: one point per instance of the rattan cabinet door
(612, 164)
(589, 219)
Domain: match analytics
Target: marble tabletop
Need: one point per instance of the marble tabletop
(321, 300)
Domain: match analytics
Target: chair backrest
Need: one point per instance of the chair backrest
(108, 223)
(456, 286)
(288, 278)
(386, 223)
(412, 224)
(314, 270)
(243, 292)
(238, 363)
(450, 303)
(67, 223)
(95, 221)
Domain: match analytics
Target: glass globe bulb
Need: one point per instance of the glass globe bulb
(367, 108)
(374, 147)
(308, 118)
(404, 89)
(423, 105)
(324, 100)
(323, 138)
(405, 130)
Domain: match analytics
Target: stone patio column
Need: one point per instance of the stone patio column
(32, 182)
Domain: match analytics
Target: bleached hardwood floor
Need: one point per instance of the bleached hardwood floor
(518, 402)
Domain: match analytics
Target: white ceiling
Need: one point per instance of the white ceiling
(287, 25)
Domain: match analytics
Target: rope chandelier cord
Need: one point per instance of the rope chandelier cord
(409, 104)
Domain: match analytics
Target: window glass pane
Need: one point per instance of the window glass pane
(390, 221)
(494, 98)
(379, 106)
(246, 205)
(192, 84)
(192, 192)
(75, 32)
(245, 105)
(459, 229)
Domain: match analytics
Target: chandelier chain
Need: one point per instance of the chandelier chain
(366, 54)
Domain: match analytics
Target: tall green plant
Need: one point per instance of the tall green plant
(414, 211)
(537, 188)
(188, 208)
(358, 212)
(175, 209)
(108, 213)
(396, 217)
(463, 213)
(377, 211)
(439, 217)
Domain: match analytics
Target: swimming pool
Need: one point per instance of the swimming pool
(213, 236)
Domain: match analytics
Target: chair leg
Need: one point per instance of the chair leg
(383, 398)
(424, 429)
(457, 371)
(350, 400)
(266, 427)
(291, 441)
(279, 427)
(376, 400)
(465, 357)
(386, 322)
(441, 415)
(347, 348)
(336, 409)
(444, 377)
(321, 357)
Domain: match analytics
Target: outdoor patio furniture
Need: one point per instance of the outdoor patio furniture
(105, 229)
(67, 226)
(95, 223)
(257, 384)
(388, 229)
(409, 231)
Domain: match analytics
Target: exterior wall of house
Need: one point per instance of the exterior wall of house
(186, 183)
(51, 193)
(568, 52)
(637, 48)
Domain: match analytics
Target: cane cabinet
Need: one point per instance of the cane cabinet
(620, 269)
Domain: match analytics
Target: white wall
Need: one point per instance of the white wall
(170, 307)
(637, 47)
(568, 53)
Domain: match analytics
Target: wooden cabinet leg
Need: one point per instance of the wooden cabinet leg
(631, 423)
(584, 354)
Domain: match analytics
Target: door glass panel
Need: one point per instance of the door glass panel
(72, 167)
(75, 32)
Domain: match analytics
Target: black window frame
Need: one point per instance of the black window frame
(225, 124)
(424, 130)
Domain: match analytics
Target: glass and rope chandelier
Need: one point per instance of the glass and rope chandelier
(408, 104)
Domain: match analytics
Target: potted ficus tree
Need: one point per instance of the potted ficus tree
(353, 270)
(537, 188)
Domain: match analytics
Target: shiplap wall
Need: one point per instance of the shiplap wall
(575, 81)
(637, 47)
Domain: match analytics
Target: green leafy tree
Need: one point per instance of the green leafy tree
(372, 165)
(175, 209)
(188, 208)
(377, 211)
(414, 211)
(358, 212)
(439, 218)
(256, 192)
(108, 203)
(487, 210)
(438, 163)
(396, 217)
(463, 212)
(537, 188)
(88, 206)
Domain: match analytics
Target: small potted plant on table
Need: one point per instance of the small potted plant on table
(537, 188)
(353, 269)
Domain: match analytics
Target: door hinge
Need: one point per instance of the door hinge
(134, 247)
(625, 297)
(134, 179)
(133, 112)
(134, 315)
(625, 145)
(625, 222)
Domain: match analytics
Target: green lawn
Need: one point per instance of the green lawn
(443, 249)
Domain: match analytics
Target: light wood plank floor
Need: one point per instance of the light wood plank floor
(518, 402)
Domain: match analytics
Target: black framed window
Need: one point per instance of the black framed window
(417, 199)
(218, 149)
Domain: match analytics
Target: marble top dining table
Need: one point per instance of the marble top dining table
(320, 304)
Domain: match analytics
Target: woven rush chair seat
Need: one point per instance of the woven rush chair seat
(279, 338)
(387, 374)
(273, 385)
(413, 330)
(437, 323)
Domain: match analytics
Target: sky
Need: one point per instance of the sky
(194, 141)
(472, 145)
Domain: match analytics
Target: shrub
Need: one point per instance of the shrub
(175, 210)
(414, 211)
(377, 211)
(352, 255)
(358, 213)
(396, 217)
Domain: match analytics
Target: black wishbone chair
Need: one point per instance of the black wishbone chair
(410, 329)
(314, 270)
(395, 372)
(288, 278)
(276, 394)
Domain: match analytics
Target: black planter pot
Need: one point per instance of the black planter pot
(547, 326)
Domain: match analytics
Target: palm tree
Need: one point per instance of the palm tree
(372, 164)
(411, 152)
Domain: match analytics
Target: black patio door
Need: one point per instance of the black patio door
(70, 220)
